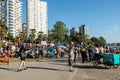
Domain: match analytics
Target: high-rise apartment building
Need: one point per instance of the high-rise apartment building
(37, 16)
(24, 28)
(73, 31)
(44, 17)
(14, 16)
(83, 30)
(11, 13)
(3, 11)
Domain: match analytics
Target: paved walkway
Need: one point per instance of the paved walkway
(38, 70)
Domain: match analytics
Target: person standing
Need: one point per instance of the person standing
(83, 52)
(52, 52)
(97, 52)
(78, 51)
(13, 48)
(75, 54)
(90, 48)
(71, 58)
(58, 49)
(101, 49)
(22, 58)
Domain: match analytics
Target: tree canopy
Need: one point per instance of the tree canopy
(3, 30)
(59, 31)
(99, 41)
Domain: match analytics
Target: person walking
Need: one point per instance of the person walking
(22, 58)
(71, 58)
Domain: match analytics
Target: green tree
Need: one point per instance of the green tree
(102, 41)
(50, 36)
(22, 36)
(9, 36)
(67, 39)
(99, 41)
(32, 34)
(3, 30)
(44, 37)
(40, 34)
(95, 40)
(78, 38)
(59, 31)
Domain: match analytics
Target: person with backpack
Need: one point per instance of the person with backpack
(22, 55)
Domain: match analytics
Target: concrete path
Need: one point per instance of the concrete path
(38, 70)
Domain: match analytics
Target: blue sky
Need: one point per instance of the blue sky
(101, 16)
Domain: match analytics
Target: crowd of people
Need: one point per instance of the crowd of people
(74, 52)
(33, 50)
(89, 53)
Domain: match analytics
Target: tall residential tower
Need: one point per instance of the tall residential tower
(37, 16)
(3, 11)
(11, 14)
(83, 30)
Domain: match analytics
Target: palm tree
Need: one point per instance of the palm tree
(22, 36)
(0, 33)
(40, 36)
(44, 37)
(3, 30)
(32, 35)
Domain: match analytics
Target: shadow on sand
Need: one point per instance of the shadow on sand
(9, 69)
(44, 68)
(86, 66)
(61, 60)
(81, 66)
(64, 62)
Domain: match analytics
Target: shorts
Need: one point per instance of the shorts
(70, 62)
(22, 58)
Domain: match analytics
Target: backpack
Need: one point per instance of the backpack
(23, 53)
